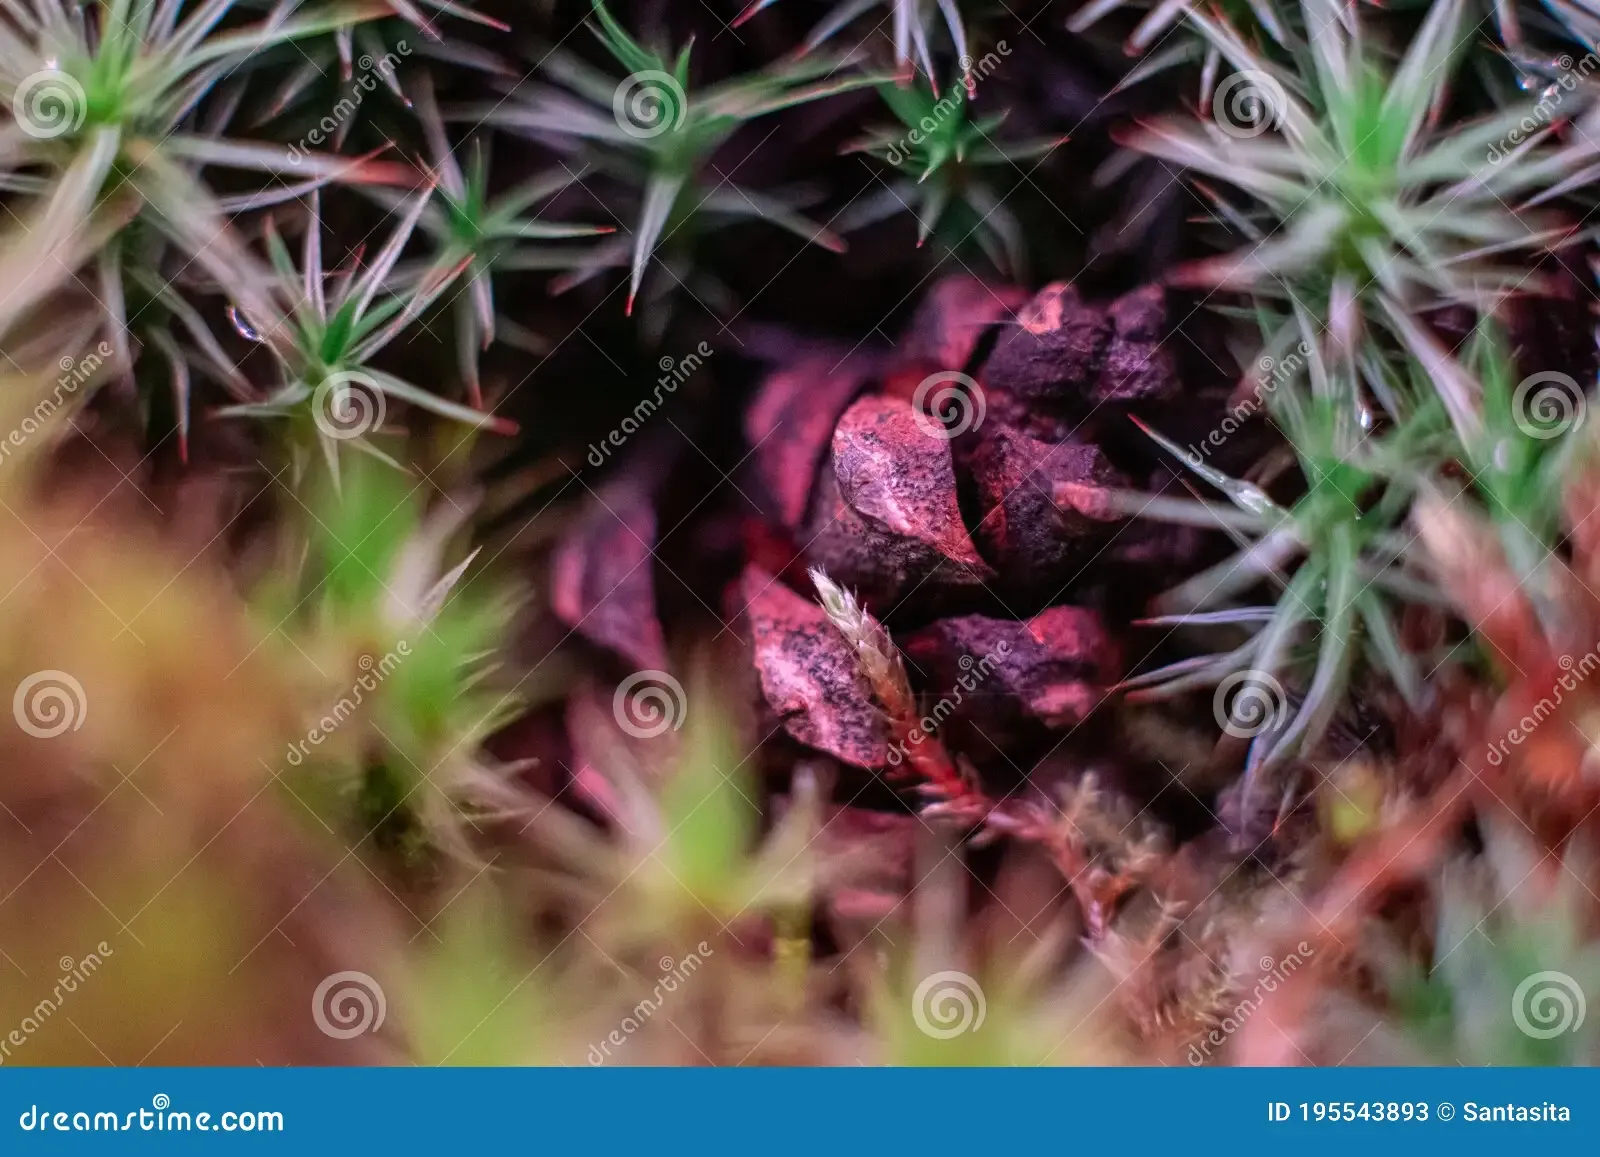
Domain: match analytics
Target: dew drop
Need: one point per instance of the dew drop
(243, 327)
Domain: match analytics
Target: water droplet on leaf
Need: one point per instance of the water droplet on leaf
(243, 327)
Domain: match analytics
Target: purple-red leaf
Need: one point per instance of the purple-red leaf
(952, 319)
(603, 580)
(1074, 355)
(1054, 668)
(888, 523)
(809, 674)
(790, 425)
(1031, 538)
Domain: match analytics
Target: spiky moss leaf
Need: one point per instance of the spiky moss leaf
(358, 531)
(897, 1009)
(386, 814)
(1464, 1008)
(708, 810)
(402, 655)
(477, 996)
(629, 52)
(994, 1017)
(1518, 468)
(1511, 965)
(662, 137)
(201, 860)
(909, 19)
(431, 702)
(1367, 192)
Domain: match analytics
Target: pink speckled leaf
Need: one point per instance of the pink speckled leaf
(894, 468)
(603, 580)
(790, 424)
(809, 675)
